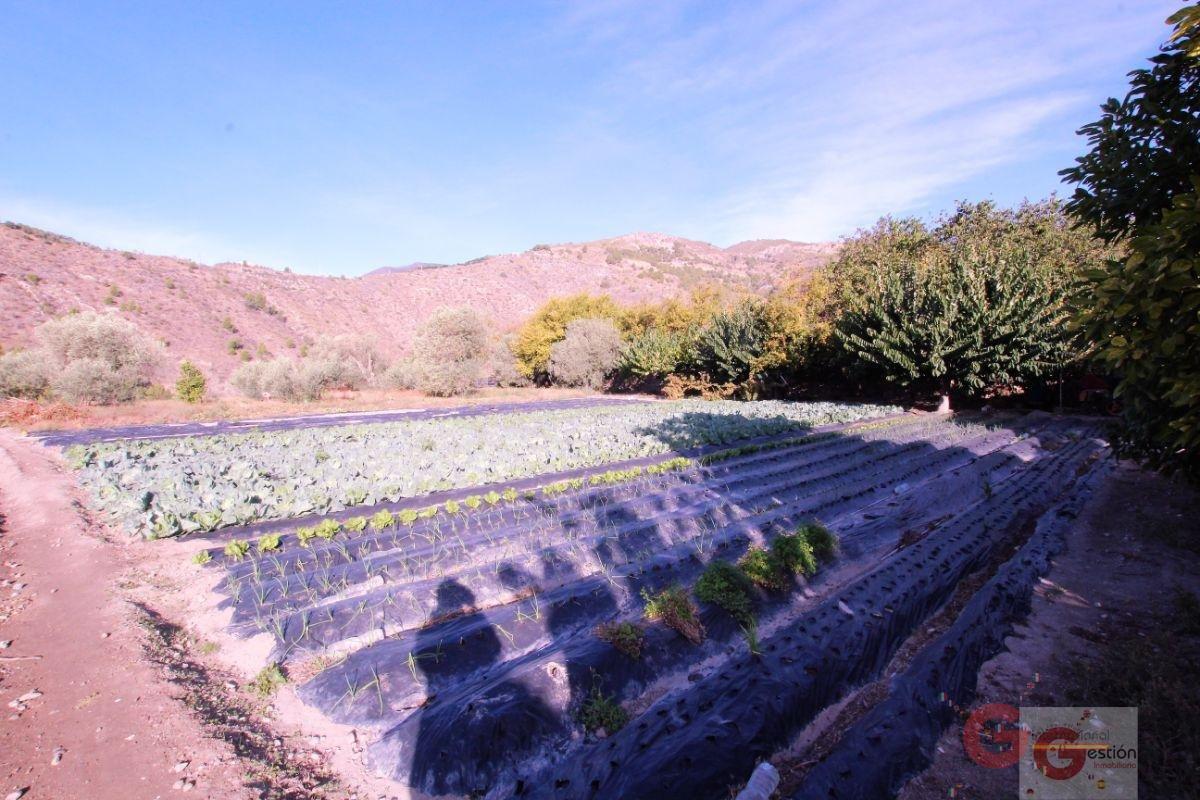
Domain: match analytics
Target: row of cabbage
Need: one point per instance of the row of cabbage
(167, 487)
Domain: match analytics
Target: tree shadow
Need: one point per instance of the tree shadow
(485, 739)
(694, 429)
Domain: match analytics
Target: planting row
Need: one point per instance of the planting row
(707, 734)
(384, 581)
(67, 438)
(164, 487)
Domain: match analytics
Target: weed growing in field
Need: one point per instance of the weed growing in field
(676, 610)
(625, 637)
(821, 539)
(268, 542)
(793, 554)
(601, 712)
(763, 568)
(726, 586)
(355, 524)
(237, 549)
(202, 557)
(268, 680)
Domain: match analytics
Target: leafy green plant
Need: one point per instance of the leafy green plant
(382, 519)
(793, 554)
(626, 637)
(823, 542)
(675, 609)
(452, 507)
(763, 568)
(305, 534)
(268, 542)
(237, 549)
(725, 586)
(327, 528)
(601, 712)
(268, 681)
(202, 557)
(473, 502)
(355, 524)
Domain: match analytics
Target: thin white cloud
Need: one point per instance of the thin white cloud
(815, 118)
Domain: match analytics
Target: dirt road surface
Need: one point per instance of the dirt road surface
(85, 714)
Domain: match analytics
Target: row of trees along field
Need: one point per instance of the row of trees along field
(977, 303)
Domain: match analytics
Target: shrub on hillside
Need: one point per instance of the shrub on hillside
(191, 385)
(247, 379)
(358, 353)
(401, 375)
(23, 374)
(450, 352)
(83, 358)
(286, 379)
(588, 352)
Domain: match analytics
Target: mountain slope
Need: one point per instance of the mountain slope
(188, 305)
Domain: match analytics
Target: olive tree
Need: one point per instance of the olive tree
(450, 352)
(587, 353)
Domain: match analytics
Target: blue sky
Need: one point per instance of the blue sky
(338, 137)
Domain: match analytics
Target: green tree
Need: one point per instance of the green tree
(730, 345)
(191, 385)
(656, 353)
(961, 325)
(1144, 149)
(975, 303)
(1139, 185)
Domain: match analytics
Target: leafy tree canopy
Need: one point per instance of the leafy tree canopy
(1140, 184)
(976, 302)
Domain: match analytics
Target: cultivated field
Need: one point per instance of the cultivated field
(524, 602)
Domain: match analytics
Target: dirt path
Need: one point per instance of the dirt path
(76, 655)
(1114, 593)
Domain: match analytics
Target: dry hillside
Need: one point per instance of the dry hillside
(196, 309)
